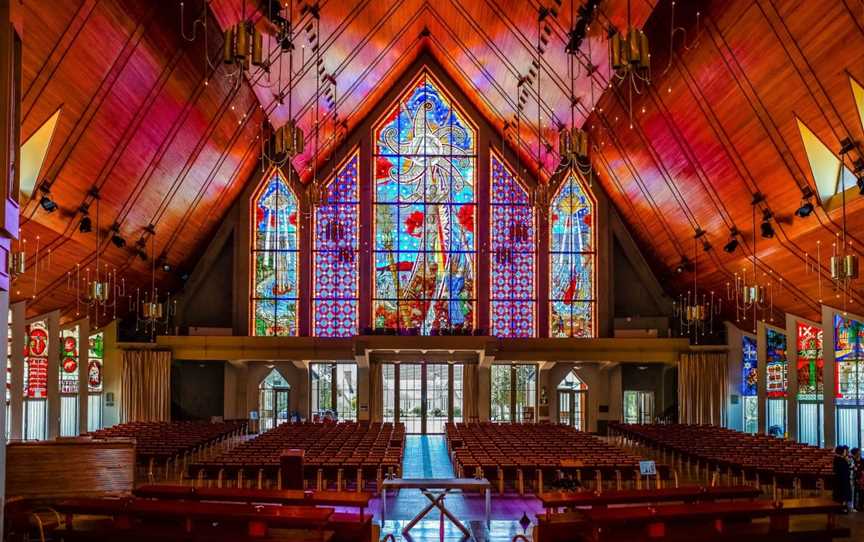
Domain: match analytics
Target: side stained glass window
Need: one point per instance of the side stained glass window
(513, 258)
(337, 262)
(849, 373)
(572, 250)
(810, 362)
(749, 381)
(274, 258)
(424, 190)
(776, 366)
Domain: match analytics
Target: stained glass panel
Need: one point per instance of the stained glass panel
(95, 352)
(424, 245)
(810, 362)
(777, 378)
(749, 376)
(512, 255)
(572, 253)
(849, 357)
(337, 262)
(69, 360)
(275, 259)
(36, 360)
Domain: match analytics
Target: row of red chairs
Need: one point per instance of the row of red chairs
(163, 440)
(724, 449)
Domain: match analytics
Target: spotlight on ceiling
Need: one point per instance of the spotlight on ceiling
(805, 210)
(860, 183)
(86, 225)
(47, 203)
(685, 265)
(118, 241)
(730, 247)
(166, 267)
(766, 227)
(142, 254)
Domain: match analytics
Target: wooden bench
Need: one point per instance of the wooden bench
(353, 499)
(706, 520)
(257, 519)
(554, 500)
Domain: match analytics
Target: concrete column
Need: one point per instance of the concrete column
(761, 387)
(83, 373)
(53, 321)
(792, 391)
(829, 376)
(16, 406)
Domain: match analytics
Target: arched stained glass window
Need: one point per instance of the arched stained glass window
(336, 292)
(572, 249)
(274, 258)
(512, 258)
(424, 249)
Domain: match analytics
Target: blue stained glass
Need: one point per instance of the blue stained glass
(336, 262)
(424, 214)
(275, 259)
(776, 365)
(512, 259)
(572, 254)
(749, 378)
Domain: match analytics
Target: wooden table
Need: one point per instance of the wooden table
(562, 499)
(257, 518)
(436, 489)
(655, 518)
(359, 499)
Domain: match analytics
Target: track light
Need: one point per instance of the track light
(730, 247)
(86, 225)
(805, 210)
(766, 227)
(860, 183)
(118, 241)
(47, 203)
(166, 267)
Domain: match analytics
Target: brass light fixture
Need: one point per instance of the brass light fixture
(747, 292)
(696, 312)
(629, 60)
(152, 315)
(243, 45)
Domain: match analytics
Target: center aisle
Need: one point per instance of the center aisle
(426, 457)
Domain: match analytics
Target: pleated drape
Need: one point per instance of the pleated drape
(376, 404)
(146, 386)
(470, 412)
(702, 382)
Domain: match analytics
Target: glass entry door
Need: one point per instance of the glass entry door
(571, 408)
(274, 404)
(425, 394)
(638, 406)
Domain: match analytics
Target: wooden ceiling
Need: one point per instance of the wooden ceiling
(717, 125)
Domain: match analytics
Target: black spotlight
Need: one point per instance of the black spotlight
(118, 241)
(860, 183)
(766, 227)
(142, 255)
(48, 204)
(166, 267)
(86, 225)
(805, 210)
(733, 242)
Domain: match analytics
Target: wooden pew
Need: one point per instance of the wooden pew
(353, 499)
(554, 500)
(703, 521)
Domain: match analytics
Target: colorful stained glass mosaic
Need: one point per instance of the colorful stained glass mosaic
(572, 259)
(513, 257)
(95, 354)
(810, 362)
(337, 263)
(849, 358)
(69, 360)
(274, 255)
(749, 374)
(36, 360)
(424, 189)
(776, 365)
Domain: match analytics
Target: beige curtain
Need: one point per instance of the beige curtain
(146, 386)
(470, 412)
(376, 404)
(702, 383)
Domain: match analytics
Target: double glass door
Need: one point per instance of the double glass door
(571, 408)
(274, 403)
(422, 395)
(638, 406)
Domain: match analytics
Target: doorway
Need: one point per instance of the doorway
(572, 401)
(274, 401)
(638, 406)
(422, 395)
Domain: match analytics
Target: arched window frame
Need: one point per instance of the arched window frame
(254, 251)
(570, 179)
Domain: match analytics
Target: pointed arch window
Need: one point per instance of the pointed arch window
(424, 248)
(572, 254)
(337, 262)
(275, 247)
(513, 258)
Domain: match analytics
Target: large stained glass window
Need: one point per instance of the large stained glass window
(424, 249)
(95, 355)
(336, 292)
(274, 258)
(810, 384)
(749, 380)
(777, 382)
(512, 256)
(849, 357)
(68, 370)
(572, 253)
(35, 420)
